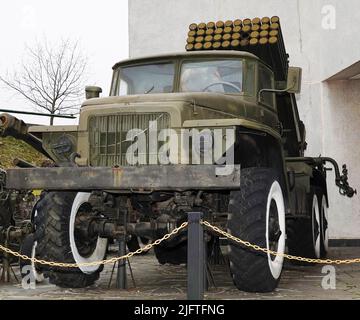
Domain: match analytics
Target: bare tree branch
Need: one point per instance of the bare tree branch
(52, 78)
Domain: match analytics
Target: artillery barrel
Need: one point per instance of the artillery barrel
(13, 127)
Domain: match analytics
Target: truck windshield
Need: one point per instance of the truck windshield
(212, 76)
(146, 79)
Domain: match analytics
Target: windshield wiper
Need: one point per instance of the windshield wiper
(151, 89)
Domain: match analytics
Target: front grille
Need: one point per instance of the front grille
(108, 143)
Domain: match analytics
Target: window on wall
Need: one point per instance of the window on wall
(266, 81)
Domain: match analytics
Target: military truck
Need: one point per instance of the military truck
(228, 97)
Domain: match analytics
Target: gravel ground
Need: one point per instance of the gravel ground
(155, 281)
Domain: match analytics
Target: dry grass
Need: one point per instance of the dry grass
(11, 148)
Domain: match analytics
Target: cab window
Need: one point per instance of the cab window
(224, 76)
(146, 79)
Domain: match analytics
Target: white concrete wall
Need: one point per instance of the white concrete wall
(341, 140)
(329, 109)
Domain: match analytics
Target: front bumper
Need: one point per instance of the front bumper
(127, 178)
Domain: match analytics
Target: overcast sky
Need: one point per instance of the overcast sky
(101, 27)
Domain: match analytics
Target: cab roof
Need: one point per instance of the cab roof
(180, 55)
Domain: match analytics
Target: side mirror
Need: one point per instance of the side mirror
(294, 80)
(293, 84)
(92, 92)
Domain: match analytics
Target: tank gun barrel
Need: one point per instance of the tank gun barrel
(13, 127)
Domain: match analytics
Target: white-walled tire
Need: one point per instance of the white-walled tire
(315, 224)
(99, 251)
(135, 243)
(303, 233)
(257, 215)
(58, 239)
(275, 197)
(324, 229)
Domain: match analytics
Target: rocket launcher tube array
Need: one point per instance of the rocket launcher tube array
(260, 36)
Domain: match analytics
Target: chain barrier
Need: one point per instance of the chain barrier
(274, 253)
(95, 263)
(167, 236)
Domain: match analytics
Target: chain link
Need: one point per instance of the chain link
(274, 253)
(95, 263)
(167, 236)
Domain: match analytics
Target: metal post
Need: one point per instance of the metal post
(121, 282)
(195, 258)
(205, 264)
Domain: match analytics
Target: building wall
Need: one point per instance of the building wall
(328, 108)
(341, 140)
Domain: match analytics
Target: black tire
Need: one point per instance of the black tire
(176, 255)
(27, 247)
(135, 243)
(172, 255)
(301, 231)
(52, 235)
(252, 271)
(6, 216)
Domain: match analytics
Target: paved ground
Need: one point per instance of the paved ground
(154, 281)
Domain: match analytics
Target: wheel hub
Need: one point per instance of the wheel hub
(274, 231)
(85, 240)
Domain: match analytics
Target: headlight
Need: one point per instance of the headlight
(61, 146)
